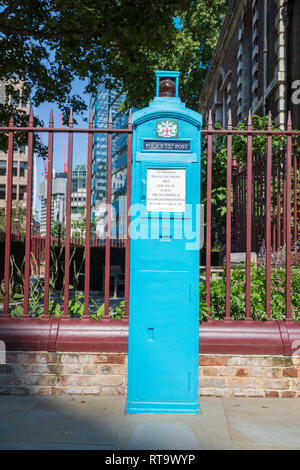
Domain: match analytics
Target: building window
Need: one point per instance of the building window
(15, 168)
(2, 191)
(2, 168)
(22, 192)
(226, 90)
(218, 104)
(14, 192)
(23, 167)
(222, 99)
(247, 60)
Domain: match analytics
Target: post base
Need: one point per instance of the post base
(148, 407)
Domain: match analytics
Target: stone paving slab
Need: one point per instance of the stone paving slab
(205, 430)
(102, 423)
(48, 446)
(13, 408)
(160, 435)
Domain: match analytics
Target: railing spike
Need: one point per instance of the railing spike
(51, 121)
(229, 119)
(210, 123)
(110, 121)
(250, 119)
(91, 119)
(11, 120)
(289, 122)
(31, 117)
(270, 121)
(71, 118)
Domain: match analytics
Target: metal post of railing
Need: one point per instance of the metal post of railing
(8, 216)
(249, 220)
(48, 216)
(88, 220)
(127, 245)
(108, 215)
(268, 218)
(288, 218)
(208, 210)
(68, 216)
(28, 216)
(228, 215)
(278, 201)
(295, 196)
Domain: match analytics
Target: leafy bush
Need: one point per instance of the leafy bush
(56, 284)
(17, 253)
(257, 298)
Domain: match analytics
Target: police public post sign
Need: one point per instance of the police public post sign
(164, 277)
(177, 146)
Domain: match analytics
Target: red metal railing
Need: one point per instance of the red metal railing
(37, 249)
(40, 246)
(251, 199)
(252, 202)
(241, 200)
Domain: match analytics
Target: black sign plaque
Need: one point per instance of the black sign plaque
(172, 146)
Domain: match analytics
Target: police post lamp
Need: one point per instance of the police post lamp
(164, 255)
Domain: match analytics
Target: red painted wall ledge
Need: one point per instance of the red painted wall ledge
(107, 335)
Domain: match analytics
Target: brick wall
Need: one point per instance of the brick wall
(249, 376)
(45, 373)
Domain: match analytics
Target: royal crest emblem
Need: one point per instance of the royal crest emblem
(167, 128)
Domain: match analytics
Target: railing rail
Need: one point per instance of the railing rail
(278, 199)
(250, 200)
(259, 207)
(43, 244)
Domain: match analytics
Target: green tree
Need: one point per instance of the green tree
(58, 229)
(47, 43)
(18, 217)
(189, 50)
(78, 225)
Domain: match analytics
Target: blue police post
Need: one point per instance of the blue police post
(164, 255)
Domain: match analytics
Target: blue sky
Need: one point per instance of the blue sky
(79, 142)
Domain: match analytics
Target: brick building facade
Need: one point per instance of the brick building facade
(256, 64)
(19, 188)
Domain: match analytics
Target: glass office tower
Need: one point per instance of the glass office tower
(102, 102)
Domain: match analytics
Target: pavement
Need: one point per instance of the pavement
(81, 422)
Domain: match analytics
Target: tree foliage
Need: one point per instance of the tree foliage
(18, 217)
(192, 47)
(78, 224)
(47, 43)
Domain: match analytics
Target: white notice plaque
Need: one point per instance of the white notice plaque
(165, 190)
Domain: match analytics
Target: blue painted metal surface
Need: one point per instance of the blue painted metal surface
(164, 258)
